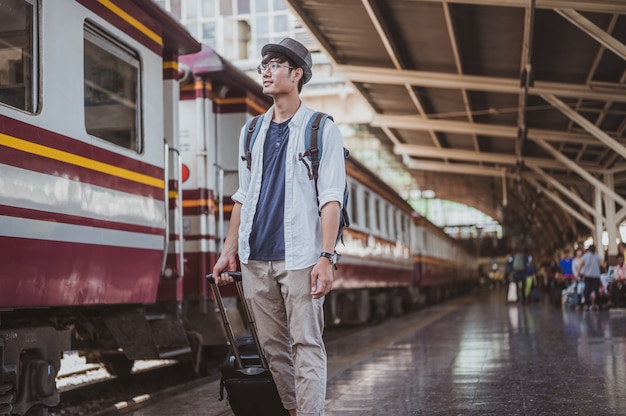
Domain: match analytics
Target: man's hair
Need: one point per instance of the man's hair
(282, 59)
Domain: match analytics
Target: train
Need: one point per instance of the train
(118, 156)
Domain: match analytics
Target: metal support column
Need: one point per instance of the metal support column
(611, 221)
(599, 226)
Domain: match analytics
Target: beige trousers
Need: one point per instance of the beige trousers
(290, 325)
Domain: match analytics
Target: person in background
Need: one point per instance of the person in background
(617, 287)
(284, 236)
(565, 264)
(531, 289)
(576, 263)
(590, 269)
(563, 277)
(580, 284)
(520, 265)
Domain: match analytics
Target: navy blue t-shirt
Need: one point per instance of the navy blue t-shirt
(267, 238)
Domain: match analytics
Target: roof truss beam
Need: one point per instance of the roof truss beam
(601, 6)
(586, 124)
(465, 169)
(563, 189)
(468, 155)
(594, 31)
(450, 126)
(377, 75)
(578, 168)
(556, 199)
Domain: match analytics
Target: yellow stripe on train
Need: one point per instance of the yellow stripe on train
(170, 65)
(132, 21)
(50, 153)
(193, 203)
(434, 260)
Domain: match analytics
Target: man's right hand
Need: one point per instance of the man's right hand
(224, 263)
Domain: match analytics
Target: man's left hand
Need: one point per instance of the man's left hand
(321, 278)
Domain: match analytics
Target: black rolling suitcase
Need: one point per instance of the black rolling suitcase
(250, 388)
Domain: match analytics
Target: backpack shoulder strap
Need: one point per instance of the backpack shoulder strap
(312, 145)
(251, 133)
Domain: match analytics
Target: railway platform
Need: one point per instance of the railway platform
(474, 355)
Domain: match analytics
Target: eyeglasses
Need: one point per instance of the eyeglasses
(273, 66)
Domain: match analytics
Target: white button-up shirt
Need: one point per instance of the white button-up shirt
(303, 234)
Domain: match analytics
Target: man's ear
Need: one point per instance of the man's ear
(299, 74)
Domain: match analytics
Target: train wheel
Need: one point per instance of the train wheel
(379, 307)
(117, 364)
(396, 303)
(341, 309)
(5, 399)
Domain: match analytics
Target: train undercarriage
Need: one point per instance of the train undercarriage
(32, 347)
(30, 358)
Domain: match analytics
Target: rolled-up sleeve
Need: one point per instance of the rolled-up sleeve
(331, 180)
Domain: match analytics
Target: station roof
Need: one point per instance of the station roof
(514, 107)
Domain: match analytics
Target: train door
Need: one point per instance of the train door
(171, 285)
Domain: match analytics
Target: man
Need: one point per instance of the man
(285, 238)
(520, 272)
(590, 269)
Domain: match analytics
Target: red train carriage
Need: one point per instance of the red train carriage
(393, 259)
(443, 267)
(88, 163)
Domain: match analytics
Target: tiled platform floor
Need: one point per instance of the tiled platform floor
(476, 355)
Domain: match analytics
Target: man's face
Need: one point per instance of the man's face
(279, 78)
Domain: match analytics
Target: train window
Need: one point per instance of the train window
(405, 228)
(377, 214)
(385, 224)
(17, 54)
(366, 209)
(353, 204)
(111, 90)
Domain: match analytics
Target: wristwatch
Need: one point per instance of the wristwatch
(332, 257)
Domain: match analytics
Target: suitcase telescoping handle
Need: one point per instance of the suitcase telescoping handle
(235, 275)
(229, 330)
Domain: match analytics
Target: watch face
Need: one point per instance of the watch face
(332, 257)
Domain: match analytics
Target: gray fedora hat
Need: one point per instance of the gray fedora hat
(295, 51)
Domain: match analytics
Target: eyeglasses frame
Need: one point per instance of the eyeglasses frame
(261, 68)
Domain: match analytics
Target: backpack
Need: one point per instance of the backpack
(519, 264)
(313, 152)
